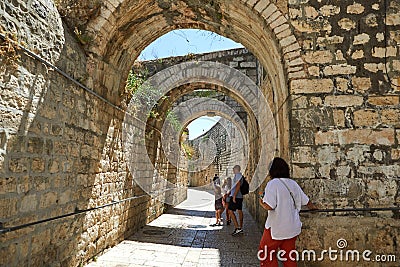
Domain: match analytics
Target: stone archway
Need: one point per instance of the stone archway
(144, 166)
(188, 110)
(124, 29)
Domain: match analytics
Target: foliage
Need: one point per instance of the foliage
(83, 38)
(142, 94)
(135, 80)
(188, 150)
(173, 120)
(205, 93)
(145, 95)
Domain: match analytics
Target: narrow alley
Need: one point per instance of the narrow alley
(182, 237)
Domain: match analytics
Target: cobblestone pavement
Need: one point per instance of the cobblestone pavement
(183, 237)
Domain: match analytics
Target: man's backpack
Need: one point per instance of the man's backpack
(244, 188)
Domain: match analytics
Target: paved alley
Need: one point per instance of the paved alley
(183, 237)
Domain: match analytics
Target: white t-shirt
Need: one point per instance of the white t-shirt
(237, 181)
(284, 220)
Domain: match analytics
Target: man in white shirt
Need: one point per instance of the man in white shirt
(283, 199)
(236, 201)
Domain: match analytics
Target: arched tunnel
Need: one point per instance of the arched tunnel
(86, 165)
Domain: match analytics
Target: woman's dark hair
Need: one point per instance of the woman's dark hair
(279, 168)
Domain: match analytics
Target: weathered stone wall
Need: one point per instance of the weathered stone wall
(345, 118)
(345, 121)
(61, 150)
(339, 129)
(219, 142)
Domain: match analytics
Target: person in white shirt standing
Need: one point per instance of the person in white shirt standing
(283, 199)
(236, 201)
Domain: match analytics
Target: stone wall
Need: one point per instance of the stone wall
(331, 75)
(345, 122)
(61, 150)
(219, 143)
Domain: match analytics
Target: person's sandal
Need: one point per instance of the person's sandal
(228, 222)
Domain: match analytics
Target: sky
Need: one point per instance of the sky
(183, 42)
(201, 125)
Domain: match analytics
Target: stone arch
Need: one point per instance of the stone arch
(147, 175)
(125, 28)
(192, 109)
(253, 127)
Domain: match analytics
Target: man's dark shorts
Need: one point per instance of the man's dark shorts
(235, 206)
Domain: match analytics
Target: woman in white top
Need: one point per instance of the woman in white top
(283, 199)
(226, 190)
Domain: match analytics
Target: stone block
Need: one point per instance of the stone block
(309, 27)
(40, 241)
(310, 12)
(288, 41)
(339, 55)
(391, 117)
(343, 100)
(316, 101)
(8, 207)
(391, 100)
(341, 69)
(338, 118)
(328, 154)
(269, 11)
(248, 65)
(302, 155)
(53, 166)
(299, 102)
(361, 84)
(329, 40)
(261, 5)
(314, 86)
(366, 118)
(355, 8)
(329, 10)
(28, 203)
(395, 153)
(342, 85)
(318, 57)
(361, 38)
(38, 165)
(358, 54)
(300, 172)
(347, 24)
(48, 199)
(396, 65)
(35, 145)
(313, 70)
(371, 20)
(18, 165)
(356, 136)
